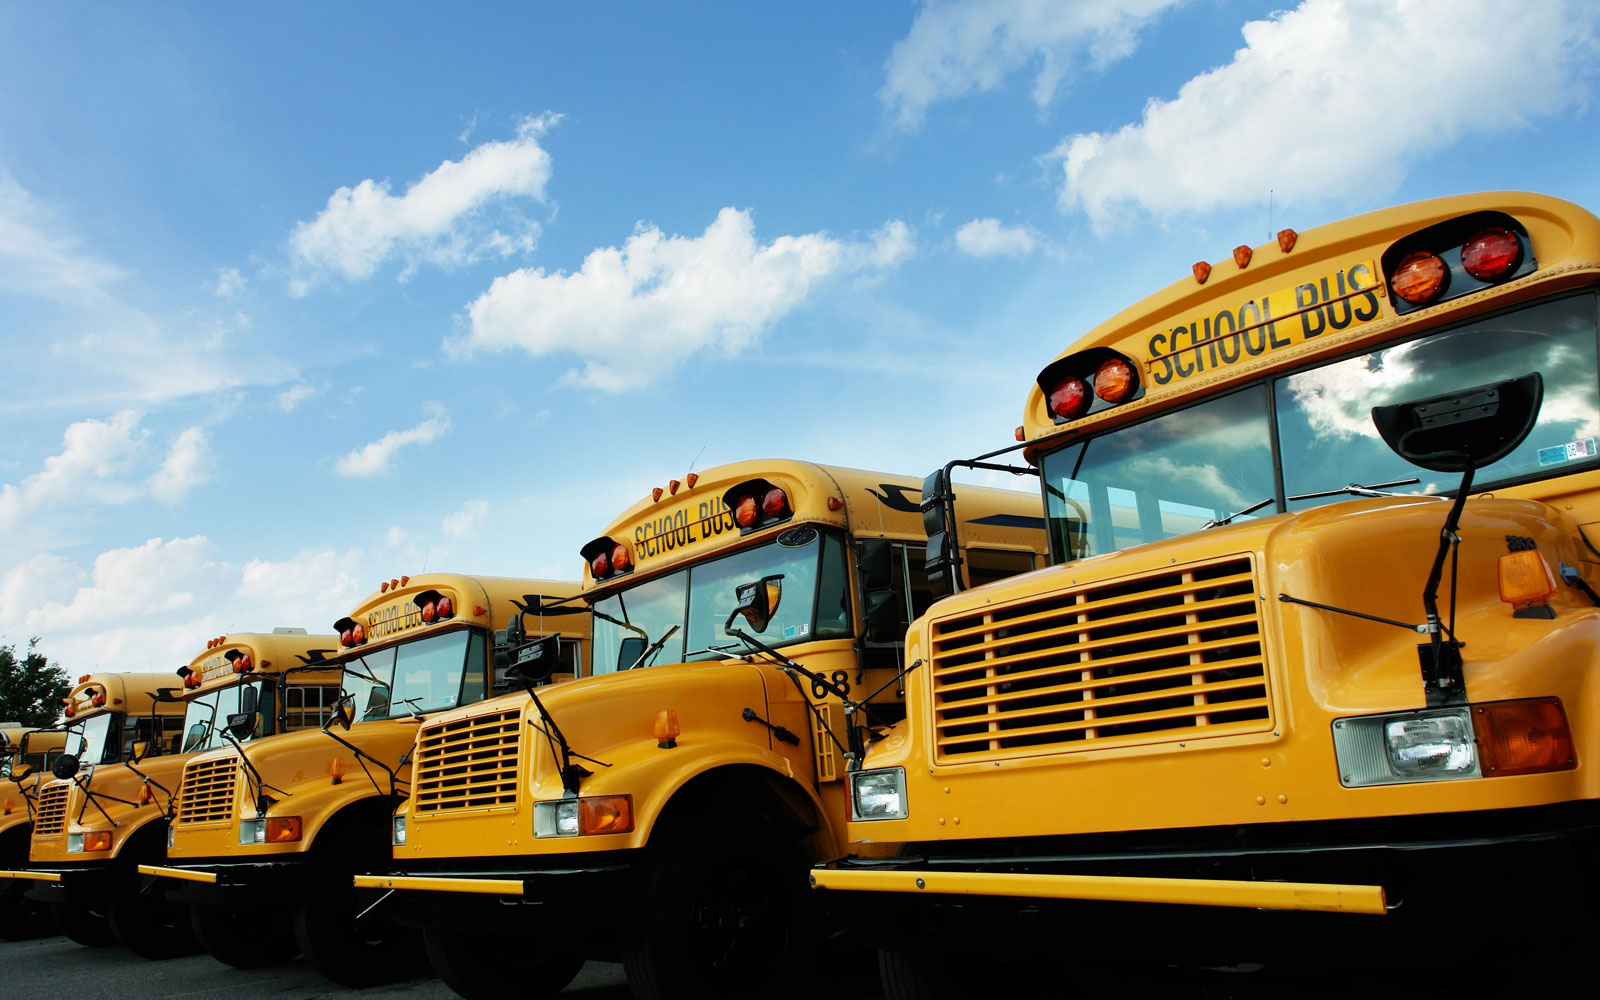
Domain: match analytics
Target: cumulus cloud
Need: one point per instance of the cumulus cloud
(635, 312)
(323, 581)
(375, 458)
(960, 47)
(90, 468)
(441, 219)
(1298, 109)
(467, 521)
(187, 465)
(229, 283)
(990, 238)
(154, 578)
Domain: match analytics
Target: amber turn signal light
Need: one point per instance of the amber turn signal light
(1523, 737)
(666, 729)
(98, 841)
(283, 829)
(605, 814)
(1525, 577)
(1420, 278)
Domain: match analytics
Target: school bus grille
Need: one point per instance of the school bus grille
(467, 764)
(206, 795)
(1173, 655)
(50, 814)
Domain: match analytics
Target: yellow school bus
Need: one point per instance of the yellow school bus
(1282, 662)
(743, 617)
(108, 813)
(266, 839)
(26, 754)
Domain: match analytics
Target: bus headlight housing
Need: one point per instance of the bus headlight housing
(555, 819)
(878, 794)
(1437, 745)
(398, 837)
(272, 830)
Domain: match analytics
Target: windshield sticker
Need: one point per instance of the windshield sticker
(1572, 451)
(797, 631)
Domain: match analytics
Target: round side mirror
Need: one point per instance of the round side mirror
(65, 767)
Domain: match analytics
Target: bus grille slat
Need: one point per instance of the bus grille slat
(467, 764)
(1170, 655)
(50, 814)
(206, 795)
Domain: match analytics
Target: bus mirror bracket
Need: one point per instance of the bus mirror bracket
(533, 662)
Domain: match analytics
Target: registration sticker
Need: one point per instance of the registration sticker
(1572, 451)
(797, 631)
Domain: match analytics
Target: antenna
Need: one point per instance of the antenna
(1269, 213)
(696, 458)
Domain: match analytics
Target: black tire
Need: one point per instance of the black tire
(141, 917)
(251, 938)
(21, 918)
(487, 967)
(365, 952)
(718, 917)
(81, 924)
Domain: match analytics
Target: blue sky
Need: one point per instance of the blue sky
(295, 300)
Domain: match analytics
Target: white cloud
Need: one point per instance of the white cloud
(154, 578)
(187, 465)
(636, 312)
(440, 219)
(1332, 98)
(375, 458)
(467, 521)
(960, 47)
(95, 455)
(989, 238)
(229, 283)
(296, 394)
(322, 582)
(37, 260)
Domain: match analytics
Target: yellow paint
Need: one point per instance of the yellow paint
(182, 874)
(484, 886)
(1367, 899)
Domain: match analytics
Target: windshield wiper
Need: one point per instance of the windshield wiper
(572, 775)
(1219, 522)
(1356, 489)
(651, 650)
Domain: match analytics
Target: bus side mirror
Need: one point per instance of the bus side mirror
(342, 712)
(938, 514)
(65, 767)
(757, 602)
(141, 750)
(628, 652)
(875, 561)
(242, 725)
(1457, 431)
(534, 662)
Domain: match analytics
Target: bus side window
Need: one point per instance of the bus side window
(988, 565)
(307, 707)
(472, 676)
(171, 733)
(912, 591)
(570, 659)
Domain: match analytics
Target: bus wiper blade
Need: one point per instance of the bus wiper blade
(630, 626)
(572, 775)
(651, 650)
(1238, 513)
(1356, 489)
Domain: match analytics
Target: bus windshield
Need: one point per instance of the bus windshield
(421, 675)
(814, 603)
(1186, 468)
(206, 715)
(98, 740)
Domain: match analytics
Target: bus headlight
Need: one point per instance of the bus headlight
(74, 843)
(1435, 745)
(398, 838)
(252, 831)
(555, 819)
(878, 794)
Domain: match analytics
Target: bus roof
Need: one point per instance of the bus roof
(269, 653)
(395, 611)
(1295, 276)
(125, 694)
(694, 521)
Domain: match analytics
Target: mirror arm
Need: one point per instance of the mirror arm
(394, 778)
(151, 781)
(90, 797)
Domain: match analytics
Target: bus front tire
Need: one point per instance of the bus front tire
(245, 939)
(337, 944)
(717, 916)
(81, 924)
(149, 926)
(486, 967)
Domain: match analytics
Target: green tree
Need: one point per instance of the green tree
(31, 687)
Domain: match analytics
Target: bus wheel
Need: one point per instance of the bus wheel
(342, 944)
(716, 917)
(149, 926)
(81, 924)
(251, 938)
(487, 967)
